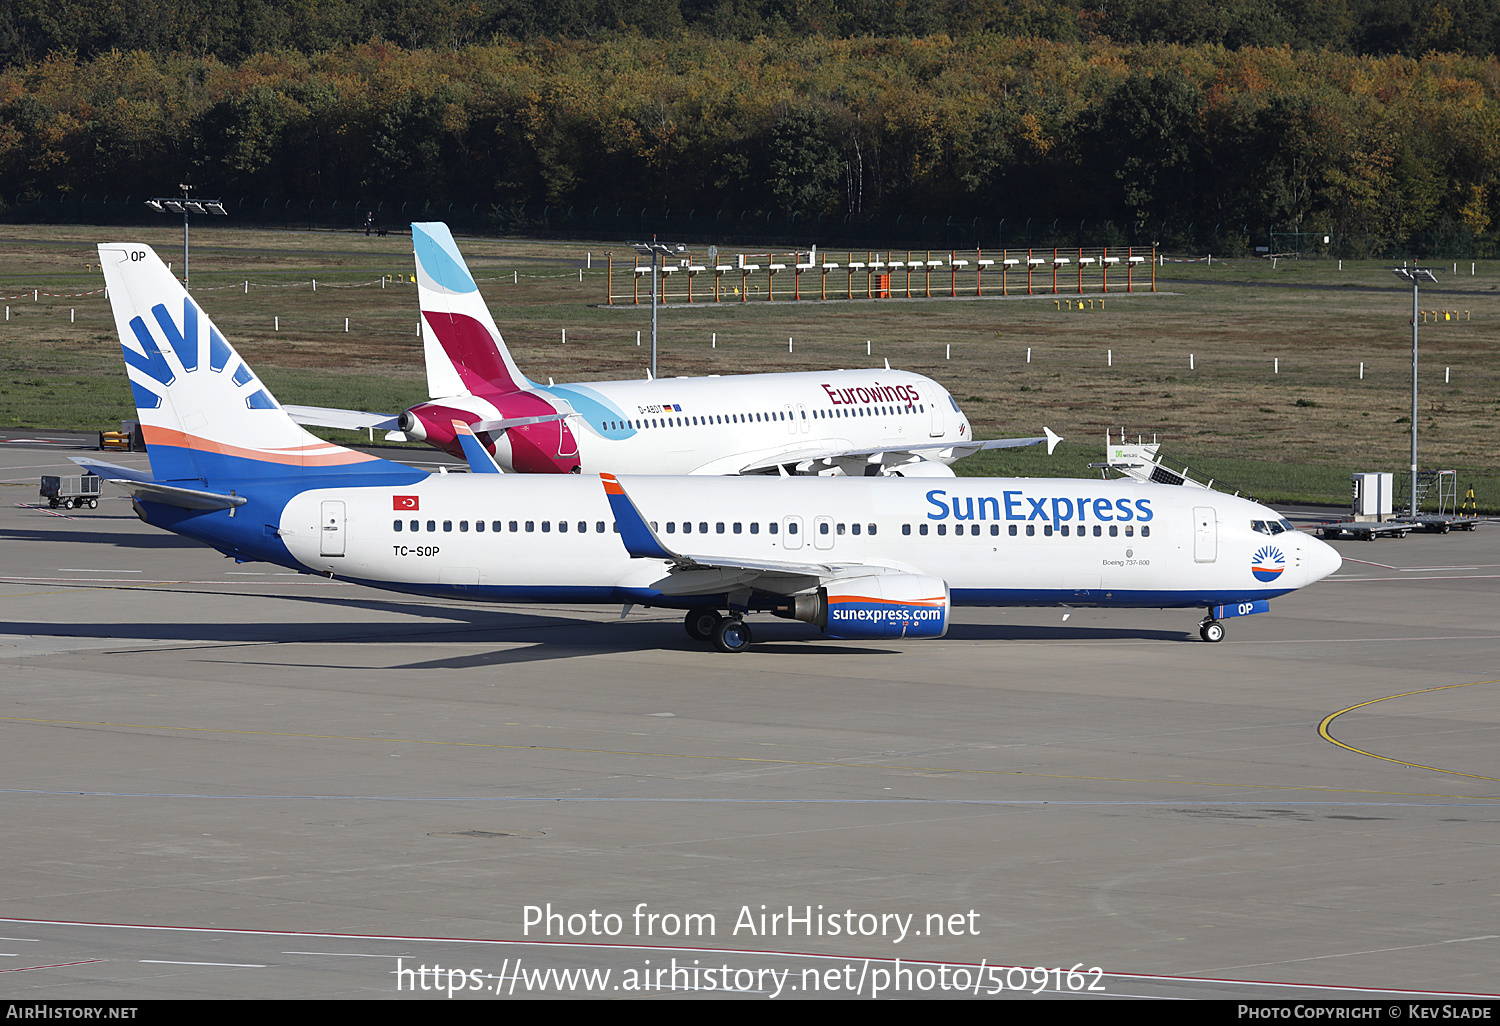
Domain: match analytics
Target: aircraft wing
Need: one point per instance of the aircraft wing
(692, 574)
(959, 449)
(352, 420)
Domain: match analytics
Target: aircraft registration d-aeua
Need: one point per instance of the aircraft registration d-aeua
(858, 557)
(854, 422)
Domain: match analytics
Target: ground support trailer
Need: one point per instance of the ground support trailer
(72, 492)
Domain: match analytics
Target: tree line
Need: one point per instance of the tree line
(233, 30)
(1142, 139)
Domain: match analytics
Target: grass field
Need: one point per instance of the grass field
(1292, 435)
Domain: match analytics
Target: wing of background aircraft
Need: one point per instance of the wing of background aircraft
(890, 458)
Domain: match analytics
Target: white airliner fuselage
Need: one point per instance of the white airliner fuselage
(857, 557)
(859, 421)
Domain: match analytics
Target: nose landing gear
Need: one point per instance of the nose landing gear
(1211, 630)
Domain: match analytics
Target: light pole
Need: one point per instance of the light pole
(651, 249)
(1415, 275)
(186, 206)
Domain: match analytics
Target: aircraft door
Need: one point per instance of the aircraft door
(331, 537)
(823, 532)
(1205, 534)
(802, 419)
(791, 532)
(935, 405)
(567, 443)
(791, 419)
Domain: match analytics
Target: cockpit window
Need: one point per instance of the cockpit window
(1286, 525)
(954, 403)
(1259, 527)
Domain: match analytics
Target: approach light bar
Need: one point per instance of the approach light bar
(178, 205)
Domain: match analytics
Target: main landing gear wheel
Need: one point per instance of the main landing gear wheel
(732, 635)
(1211, 630)
(701, 622)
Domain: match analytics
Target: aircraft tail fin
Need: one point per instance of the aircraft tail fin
(204, 414)
(465, 353)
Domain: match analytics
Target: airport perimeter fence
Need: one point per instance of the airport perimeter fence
(749, 229)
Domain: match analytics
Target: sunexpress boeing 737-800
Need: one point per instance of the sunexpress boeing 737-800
(857, 557)
(853, 422)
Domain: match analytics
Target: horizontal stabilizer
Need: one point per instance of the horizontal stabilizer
(352, 420)
(143, 488)
(491, 426)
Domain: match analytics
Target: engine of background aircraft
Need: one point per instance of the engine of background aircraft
(546, 448)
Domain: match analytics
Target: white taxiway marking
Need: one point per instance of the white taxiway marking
(1417, 569)
(226, 965)
(348, 954)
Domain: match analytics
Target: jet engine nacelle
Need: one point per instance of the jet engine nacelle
(876, 606)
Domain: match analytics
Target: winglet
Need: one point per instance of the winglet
(480, 461)
(640, 541)
(1052, 439)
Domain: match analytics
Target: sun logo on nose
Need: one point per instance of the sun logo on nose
(1267, 563)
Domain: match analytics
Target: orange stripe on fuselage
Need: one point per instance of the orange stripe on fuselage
(886, 601)
(299, 456)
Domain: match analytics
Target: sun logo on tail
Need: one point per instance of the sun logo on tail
(1267, 563)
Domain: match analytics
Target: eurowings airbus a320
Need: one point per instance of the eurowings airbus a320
(856, 557)
(852, 422)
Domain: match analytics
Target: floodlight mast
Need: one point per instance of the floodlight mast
(1415, 275)
(651, 249)
(162, 204)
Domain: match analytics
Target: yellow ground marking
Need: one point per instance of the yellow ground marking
(1323, 730)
